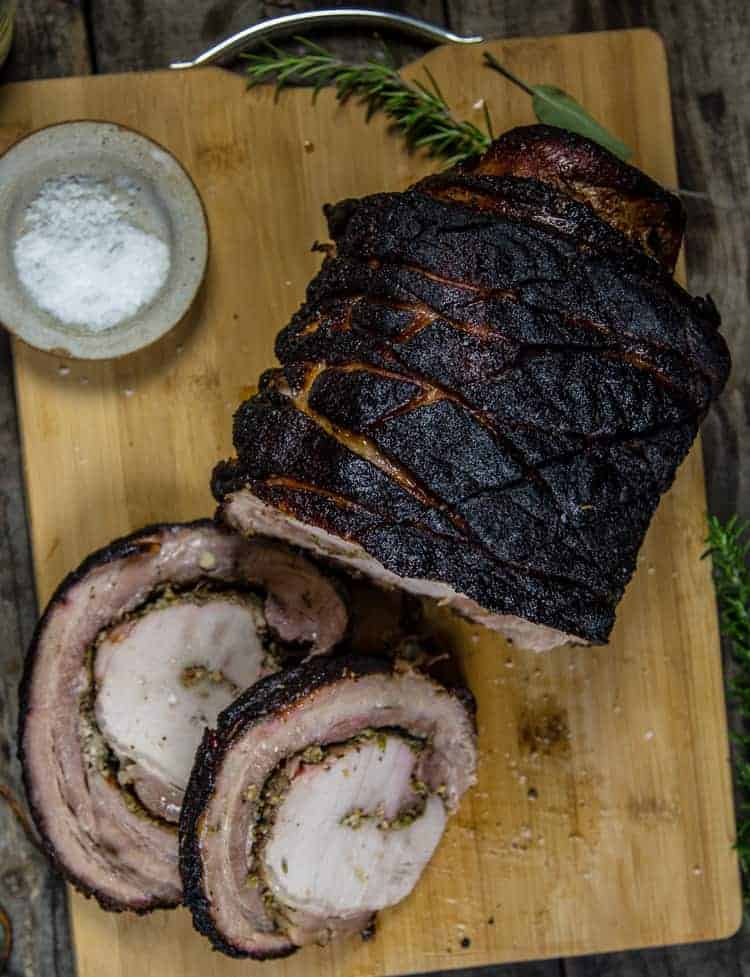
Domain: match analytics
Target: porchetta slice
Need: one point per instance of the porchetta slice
(492, 381)
(318, 800)
(138, 651)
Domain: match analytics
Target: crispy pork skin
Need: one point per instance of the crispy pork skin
(492, 381)
(318, 800)
(138, 651)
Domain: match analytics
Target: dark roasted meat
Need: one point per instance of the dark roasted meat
(491, 383)
(318, 800)
(138, 651)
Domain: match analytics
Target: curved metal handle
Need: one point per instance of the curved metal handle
(292, 23)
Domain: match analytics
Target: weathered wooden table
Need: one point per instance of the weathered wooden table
(707, 42)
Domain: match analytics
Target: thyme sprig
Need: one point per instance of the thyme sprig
(729, 546)
(418, 111)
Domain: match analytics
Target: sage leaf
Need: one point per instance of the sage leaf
(555, 107)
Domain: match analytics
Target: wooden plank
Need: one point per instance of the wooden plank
(723, 958)
(634, 791)
(50, 39)
(134, 34)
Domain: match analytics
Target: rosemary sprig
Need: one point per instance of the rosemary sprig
(419, 111)
(729, 545)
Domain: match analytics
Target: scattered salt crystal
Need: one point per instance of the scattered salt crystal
(697, 870)
(63, 370)
(649, 734)
(479, 104)
(128, 391)
(82, 259)
(172, 699)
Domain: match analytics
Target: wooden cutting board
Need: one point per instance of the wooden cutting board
(603, 817)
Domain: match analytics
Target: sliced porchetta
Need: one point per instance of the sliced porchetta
(492, 381)
(137, 652)
(318, 800)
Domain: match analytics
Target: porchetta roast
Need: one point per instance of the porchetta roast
(318, 800)
(492, 381)
(138, 651)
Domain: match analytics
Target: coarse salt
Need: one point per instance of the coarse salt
(81, 257)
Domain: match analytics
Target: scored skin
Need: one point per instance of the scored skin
(127, 551)
(513, 350)
(274, 697)
(621, 195)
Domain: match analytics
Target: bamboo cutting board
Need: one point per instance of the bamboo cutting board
(603, 817)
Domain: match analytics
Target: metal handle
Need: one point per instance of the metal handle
(292, 23)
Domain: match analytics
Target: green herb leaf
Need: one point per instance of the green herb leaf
(418, 111)
(729, 547)
(555, 107)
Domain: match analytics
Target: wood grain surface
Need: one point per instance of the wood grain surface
(627, 841)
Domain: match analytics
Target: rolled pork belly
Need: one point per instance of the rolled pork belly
(318, 800)
(138, 651)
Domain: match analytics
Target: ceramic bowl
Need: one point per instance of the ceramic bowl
(164, 202)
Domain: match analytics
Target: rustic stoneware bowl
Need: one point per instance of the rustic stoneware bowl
(168, 205)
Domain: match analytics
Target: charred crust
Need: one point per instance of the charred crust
(281, 691)
(515, 311)
(654, 218)
(195, 898)
(526, 199)
(105, 902)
